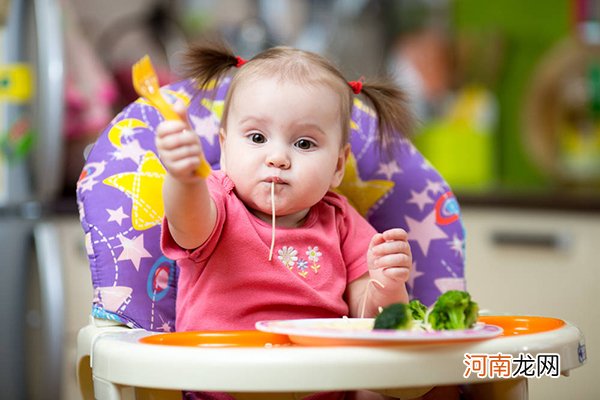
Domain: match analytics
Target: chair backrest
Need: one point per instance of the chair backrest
(121, 209)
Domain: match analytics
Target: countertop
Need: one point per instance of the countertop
(546, 200)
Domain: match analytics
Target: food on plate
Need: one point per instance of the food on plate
(417, 309)
(395, 316)
(452, 310)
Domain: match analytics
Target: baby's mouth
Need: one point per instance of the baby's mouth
(274, 179)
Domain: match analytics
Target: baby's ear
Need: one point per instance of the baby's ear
(222, 147)
(340, 166)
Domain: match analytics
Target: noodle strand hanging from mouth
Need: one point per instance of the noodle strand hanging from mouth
(272, 221)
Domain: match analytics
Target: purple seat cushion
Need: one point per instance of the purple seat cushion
(121, 210)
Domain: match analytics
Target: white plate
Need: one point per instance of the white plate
(348, 331)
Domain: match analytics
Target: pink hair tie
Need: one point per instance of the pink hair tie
(240, 62)
(356, 86)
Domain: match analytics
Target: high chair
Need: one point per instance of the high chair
(121, 209)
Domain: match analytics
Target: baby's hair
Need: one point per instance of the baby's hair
(212, 60)
(208, 60)
(392, 107)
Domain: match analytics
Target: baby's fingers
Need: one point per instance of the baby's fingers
(183, 167)
(181, 109)
(395, 234)
(393, 260)
(397, 273)
(166, 128)
(391, 247)
(191, 150)
(175, 140)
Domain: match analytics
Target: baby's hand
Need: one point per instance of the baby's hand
(389, 255)
(179, 148)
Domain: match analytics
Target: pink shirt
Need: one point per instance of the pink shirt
(229, 283)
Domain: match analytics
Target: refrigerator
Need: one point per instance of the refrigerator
(31, 264)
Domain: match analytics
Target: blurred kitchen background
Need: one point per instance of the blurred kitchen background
(507, 94)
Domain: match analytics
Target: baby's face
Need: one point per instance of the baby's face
(284, 133)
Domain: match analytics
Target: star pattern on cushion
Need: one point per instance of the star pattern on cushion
(363, 195)
(144, 187)
(133, 250)
(206, 127)
(116, 215)
(389, 169)
(458, 246)
(424, 231)
(421, 199)
(214, 106)
(414, 274)
(131, 150)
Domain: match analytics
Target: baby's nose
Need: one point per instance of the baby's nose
(278, 160)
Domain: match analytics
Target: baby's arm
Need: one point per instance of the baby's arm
(389, 260)
(190, 211)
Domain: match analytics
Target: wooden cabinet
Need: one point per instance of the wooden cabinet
(540, 263)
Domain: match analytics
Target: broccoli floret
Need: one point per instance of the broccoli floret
(394, 316)
(454, 309)
(417, 310)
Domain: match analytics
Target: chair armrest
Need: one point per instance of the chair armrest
(95, 328)
(86, 338)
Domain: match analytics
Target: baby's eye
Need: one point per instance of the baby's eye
(304, 144)
(258, 138)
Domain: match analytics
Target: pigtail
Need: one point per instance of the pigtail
(208, 60)
(393, 109)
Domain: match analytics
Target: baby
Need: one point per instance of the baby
(266, 237)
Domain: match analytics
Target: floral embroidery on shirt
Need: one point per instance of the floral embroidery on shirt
(313, 254)
(302, 266)
(288, 256)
